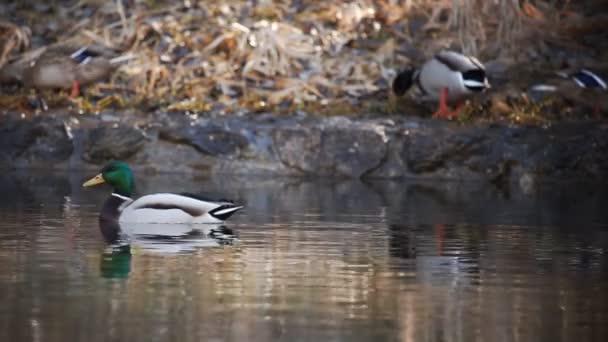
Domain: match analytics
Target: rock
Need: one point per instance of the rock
(209, 139)
(270, 145)
(106, 143)
(40, 140)
(15, 137)
(352, 153)
(497, 152)
(573, 150)
(332, 152)
(299, 149)
(432, 150)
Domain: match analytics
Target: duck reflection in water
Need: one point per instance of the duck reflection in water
(116, 259)
(402, 241)
(425, 246)
(167, 238)
(116, 262)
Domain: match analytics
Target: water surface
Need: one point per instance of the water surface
(309, 261)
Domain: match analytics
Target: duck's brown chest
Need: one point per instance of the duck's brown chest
(46, 76)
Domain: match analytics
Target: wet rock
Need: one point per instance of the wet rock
(299, 149)
(107, 142)
(573, 150)
(433, 150)
(332, 152)
(40, 140)
(209, 139)
(15, 137)
(413, 148)
(353, 153)
(497, 152)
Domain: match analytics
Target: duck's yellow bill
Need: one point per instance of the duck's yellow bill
(94, 181)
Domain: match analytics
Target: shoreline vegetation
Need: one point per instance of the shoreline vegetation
(319, 57)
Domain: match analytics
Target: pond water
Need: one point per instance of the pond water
(325, 260)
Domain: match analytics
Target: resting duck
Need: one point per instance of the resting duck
(583, 78)
(65, 67)
(581, 86)
(449, 77)
(156, 208)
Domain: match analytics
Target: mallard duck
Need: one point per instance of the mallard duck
(182, 208)
(582, 78)
(582, 86)
(62, 67)
(449, 77)
(586, 79)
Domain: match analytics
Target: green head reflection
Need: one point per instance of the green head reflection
(116, 263)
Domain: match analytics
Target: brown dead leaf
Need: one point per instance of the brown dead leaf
(386, 52)
(268, 10)
(531, 11)
(390, 13)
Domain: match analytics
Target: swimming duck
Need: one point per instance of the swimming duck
(182, 208)
(65, 67)
(449, 77)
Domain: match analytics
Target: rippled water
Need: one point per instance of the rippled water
(310, 261)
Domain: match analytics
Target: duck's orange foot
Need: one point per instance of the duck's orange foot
(75, 89)
(442, 107)
(442, 112)
(456, 111)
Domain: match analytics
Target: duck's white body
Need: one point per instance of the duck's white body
(167, 208)
(458, 75)
(165, 214)
(446, 70)
(56, 68)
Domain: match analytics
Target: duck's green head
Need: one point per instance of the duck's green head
(116, 173)
(404, 81)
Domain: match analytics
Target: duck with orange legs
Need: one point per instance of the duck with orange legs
(450, 78)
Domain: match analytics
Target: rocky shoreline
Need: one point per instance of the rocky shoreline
(303, 145)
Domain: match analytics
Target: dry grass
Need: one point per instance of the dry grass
(193, 55)
(478, 22)
(13, 39)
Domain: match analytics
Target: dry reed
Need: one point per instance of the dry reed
(192, 54)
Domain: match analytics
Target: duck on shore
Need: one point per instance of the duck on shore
(448, 77)
(58, 68)
(63, 66)
(580, 86)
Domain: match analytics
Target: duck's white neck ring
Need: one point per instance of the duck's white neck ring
(418, 83)
(124, 198)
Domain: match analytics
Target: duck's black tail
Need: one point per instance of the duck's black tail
(224, 211)
(475, 80)
(403, 82)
